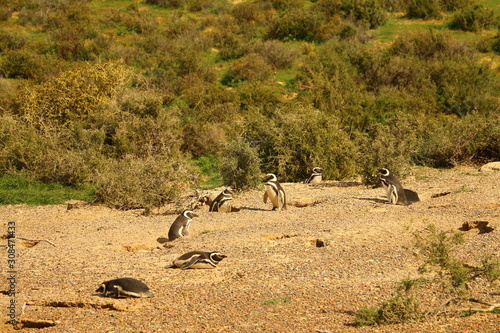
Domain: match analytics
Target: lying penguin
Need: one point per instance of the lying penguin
(124, 287)
(198, 259)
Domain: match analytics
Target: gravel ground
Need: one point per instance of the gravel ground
(306, 269)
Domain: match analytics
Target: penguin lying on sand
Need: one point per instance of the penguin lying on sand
(198, 259)
(124, 287)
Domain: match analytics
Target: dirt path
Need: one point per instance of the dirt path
(305, 269)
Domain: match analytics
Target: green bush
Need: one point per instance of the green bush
(327, 77)
(391, 146)
(402, 308)
(454, 5)
(423, 9)
(260, 95)
(296, 24)
(240, 165)
(305, 138)
(428, 45)
(12, 40)
(23, 64)
(364, 12)
(475, 18)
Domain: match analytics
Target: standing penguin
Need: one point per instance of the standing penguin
(221, 199)
(124, 287)
(198, 259)
(180, 227)
(394, 190)
(315, 176)
(274, 192)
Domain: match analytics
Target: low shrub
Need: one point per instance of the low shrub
(402, 308)
(296, 24)
(275, 53)
(474, 18)
(240, 165)
(423, 9)
(131, 183)
(251, 67)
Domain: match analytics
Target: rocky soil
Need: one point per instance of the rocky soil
(338, 248)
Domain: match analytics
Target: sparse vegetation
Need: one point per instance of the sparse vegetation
(276, 301)
(446, 275)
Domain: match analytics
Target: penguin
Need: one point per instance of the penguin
(198, 259)
(221, 199)
(274, 192)
(315, 176)
(124, 287)
(395, 192)
(180, 227)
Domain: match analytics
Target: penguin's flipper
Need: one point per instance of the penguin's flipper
(194, 259)
(265, 197)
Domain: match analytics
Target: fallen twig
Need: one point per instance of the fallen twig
(36, 240)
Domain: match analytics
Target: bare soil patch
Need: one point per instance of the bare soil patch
(339, 247)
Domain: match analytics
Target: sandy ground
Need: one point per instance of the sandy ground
(306, 269)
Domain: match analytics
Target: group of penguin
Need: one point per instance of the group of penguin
(130, 287)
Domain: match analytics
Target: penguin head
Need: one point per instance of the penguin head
(189, 214)
(318, 170)
(102, 288)
(385, 172)
(217, 256)
(270, 177)
(228, 191)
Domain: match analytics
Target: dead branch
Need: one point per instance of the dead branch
(36, 240)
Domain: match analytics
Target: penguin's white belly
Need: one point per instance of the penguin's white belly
(316, 180)
(272, 195)
(225, 207)
(199, 264)
(392, 194)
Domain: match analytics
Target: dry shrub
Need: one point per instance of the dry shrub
(48, 155)
(251, 67)
(75, 94)
(252, 12)
(142, 103)
(275, 53)
(131, 182)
